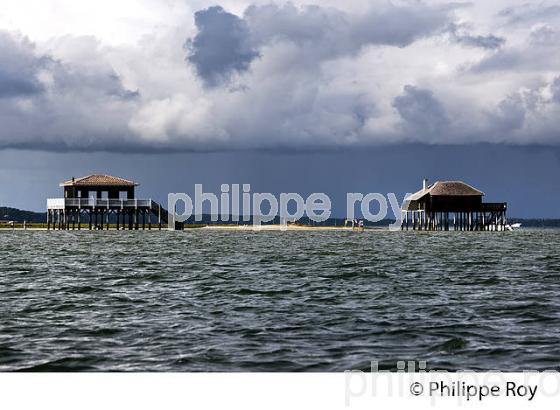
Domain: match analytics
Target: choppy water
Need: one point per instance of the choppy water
(203, 300)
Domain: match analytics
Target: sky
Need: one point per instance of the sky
(369, 96)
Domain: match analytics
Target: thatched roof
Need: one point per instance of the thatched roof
(446, 188)
(99, 180)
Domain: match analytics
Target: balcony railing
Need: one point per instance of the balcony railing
(61, 203)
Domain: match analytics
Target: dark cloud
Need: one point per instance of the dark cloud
(338, 32)
(502, 60)
(555, 88)
(222, 45)
(226, 43)
(402, 25)
(459, 33)
(18, 68)
(421, 112)
(106, 82)
(58, 104)
(287, 77)
(490, 42)
(509, 116)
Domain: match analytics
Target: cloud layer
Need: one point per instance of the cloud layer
(290, 76)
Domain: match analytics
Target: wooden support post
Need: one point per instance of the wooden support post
(407, 220)
(406, 216)
(429, 221)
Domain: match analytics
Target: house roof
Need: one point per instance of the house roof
(446, 188)
(99, 180)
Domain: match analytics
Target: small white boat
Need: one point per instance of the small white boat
(513, 227)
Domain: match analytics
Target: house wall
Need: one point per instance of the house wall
(97, 191)
(453, 203)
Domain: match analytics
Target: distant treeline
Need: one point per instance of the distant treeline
(17, 215)
(525, 222)
(207, 220)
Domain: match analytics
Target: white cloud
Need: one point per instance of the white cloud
(117, 75)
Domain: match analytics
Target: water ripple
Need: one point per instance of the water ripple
(203, 300)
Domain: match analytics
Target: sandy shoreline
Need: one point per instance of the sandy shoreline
(232, 228)
(278, 228)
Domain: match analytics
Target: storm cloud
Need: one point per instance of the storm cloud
(421, 112)
(18, 68)
(46, 103)
(490, 41)
(286, 75)
(227, 44)
(222, 45)
(555, 88)
(337, 33)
